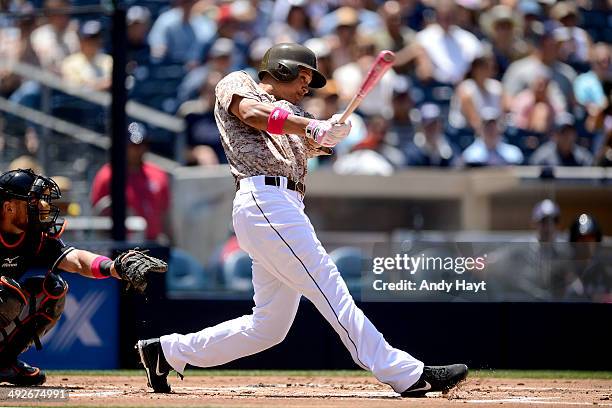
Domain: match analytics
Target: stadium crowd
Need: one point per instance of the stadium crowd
(476, 83)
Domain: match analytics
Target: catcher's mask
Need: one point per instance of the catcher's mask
(38, 192)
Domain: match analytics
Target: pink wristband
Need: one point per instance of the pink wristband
(276, 121)
(95, 267)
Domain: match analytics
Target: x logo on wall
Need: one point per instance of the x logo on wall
(77, 323)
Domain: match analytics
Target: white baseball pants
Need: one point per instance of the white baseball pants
(288, 262)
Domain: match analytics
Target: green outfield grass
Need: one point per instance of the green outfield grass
(542, 374)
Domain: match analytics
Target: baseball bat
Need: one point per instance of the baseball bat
(381, 64)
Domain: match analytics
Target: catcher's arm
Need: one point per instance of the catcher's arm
(131, 266)
(81, 262)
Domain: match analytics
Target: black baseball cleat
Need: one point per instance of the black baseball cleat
(22, 374)
(155, 364)
(437, 378)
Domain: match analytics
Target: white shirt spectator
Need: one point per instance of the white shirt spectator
(378, 102)
(451, 53)
(489, 97)
(52, 47)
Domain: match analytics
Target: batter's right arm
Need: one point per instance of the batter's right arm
(256, 114)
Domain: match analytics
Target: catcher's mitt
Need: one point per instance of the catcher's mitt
(133, 265)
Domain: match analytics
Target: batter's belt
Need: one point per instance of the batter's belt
(276, 181)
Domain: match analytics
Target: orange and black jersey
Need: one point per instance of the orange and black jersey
(19, 253)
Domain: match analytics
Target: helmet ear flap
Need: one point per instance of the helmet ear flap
(286, 72)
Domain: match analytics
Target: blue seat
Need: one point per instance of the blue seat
(349, 261)
(237, 272)
(185, 273)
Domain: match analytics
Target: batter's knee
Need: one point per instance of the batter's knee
(273, 328)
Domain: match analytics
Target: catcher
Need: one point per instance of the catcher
(30, 236)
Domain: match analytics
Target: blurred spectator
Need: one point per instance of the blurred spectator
(592, 277)
(395, 36)
(562, 150)
(466, 15)
(323, 52)
(369, 21)
(545, 216)
(349, 77)
(400, 125)
(531, 12)
(371, 156)
(16, 46)
(178, 35)
(478, 91)
(503, 28)
(57, 39)
(344, 42)
(138, 25)
(535, 108)
(203, 139)
(589, 87)
(219, 60)
(257, 50)
(89, 67)
(295, 27)
(604, 156)
(147, 186)
(545, 51)
(488, 149)
(232, 21)
(430, 147)
(448, 49)
(578, 40)
(26, 162)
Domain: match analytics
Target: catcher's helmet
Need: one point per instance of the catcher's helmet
(585, 225)
(25, 185)
(284, 60)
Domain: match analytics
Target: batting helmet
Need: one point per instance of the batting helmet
(283, 62)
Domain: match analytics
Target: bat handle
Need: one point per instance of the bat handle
(350, 108)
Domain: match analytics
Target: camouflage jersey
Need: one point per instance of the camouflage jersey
(253, 152)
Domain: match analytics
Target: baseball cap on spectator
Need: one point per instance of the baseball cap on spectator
(562, 34)
(498, 14)
(545, 209)
(401, 86)
(564, 120)
(474, 5)
(429, 112)
(137, 133)
(319, 47)
(258, 48)
(222, 47)
(530, 8)
(346, 16)
(243, 11)
(90, 29)
(562, 10)
(138, 14)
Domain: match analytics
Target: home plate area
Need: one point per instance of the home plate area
(320, 391)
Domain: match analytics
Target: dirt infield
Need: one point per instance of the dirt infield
(320, 391)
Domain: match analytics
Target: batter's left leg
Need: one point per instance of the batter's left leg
(294, 254)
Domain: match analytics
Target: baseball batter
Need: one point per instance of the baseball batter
(268, 138)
